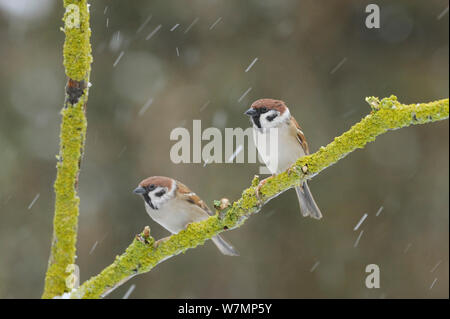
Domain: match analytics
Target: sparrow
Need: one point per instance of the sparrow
(268, 117)
(174, 206)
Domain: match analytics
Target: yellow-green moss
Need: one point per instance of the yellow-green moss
(77, 59)
(140, 258)
(77, 48)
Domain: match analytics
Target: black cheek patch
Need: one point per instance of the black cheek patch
(256, 121)
(272, 117)
(160, 193)
(148, 201)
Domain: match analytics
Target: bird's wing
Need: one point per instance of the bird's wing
(192, 198)
(300, 136)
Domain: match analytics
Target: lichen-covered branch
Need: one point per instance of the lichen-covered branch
(144, 253)
(77, 60)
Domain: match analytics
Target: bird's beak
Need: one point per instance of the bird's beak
(140, 190)
(251, 112)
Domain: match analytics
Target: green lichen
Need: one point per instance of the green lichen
(73, 131)
(77, 48)
(77, 59)
(140, 258)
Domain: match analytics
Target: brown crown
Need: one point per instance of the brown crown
(270, 104)
(158, 181)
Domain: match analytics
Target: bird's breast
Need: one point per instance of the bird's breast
(278, 148)
(176, 215)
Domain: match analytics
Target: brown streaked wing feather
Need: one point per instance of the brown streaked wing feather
(192, 198)
(301, 138)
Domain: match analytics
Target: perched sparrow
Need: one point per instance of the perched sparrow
(273, 117)
(174, 206)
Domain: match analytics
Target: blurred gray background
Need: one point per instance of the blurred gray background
(317, 56)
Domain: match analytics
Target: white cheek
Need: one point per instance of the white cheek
(263, 119)
(158, 201)
(265, 123)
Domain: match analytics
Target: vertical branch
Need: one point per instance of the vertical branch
(77, 61)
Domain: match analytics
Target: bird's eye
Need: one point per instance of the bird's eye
(263, 109)
(160, 193)
(151, 187)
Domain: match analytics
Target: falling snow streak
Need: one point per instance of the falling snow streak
(204, 106)
(129, 291)
(269, 214)
(122, 151)
(206, 162)
(178, 52)
(106, 9)
(34, 201)
(215, 23)
(116, 39)
(379, 211)
(251, 65)
(107, 22)
(442, 14)
(339, 65)
(314, 266)
(144, 24)
(358, 239)
(93, 247)
(245, 93)
(348, 113)
(145, 107)
(360, 222)
(118, 59)
(153, 32)
(433, 283)
(96, 243)
(233, 156)
(407, 248)
(436, 266)
(190, 26)
(174, 27)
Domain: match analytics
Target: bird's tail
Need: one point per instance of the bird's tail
(308, 206)
(225, 247)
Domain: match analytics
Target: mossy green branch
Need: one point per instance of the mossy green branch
(143, 254)
(77, 59)
(77, 48)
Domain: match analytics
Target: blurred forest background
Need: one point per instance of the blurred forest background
(317, 56)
